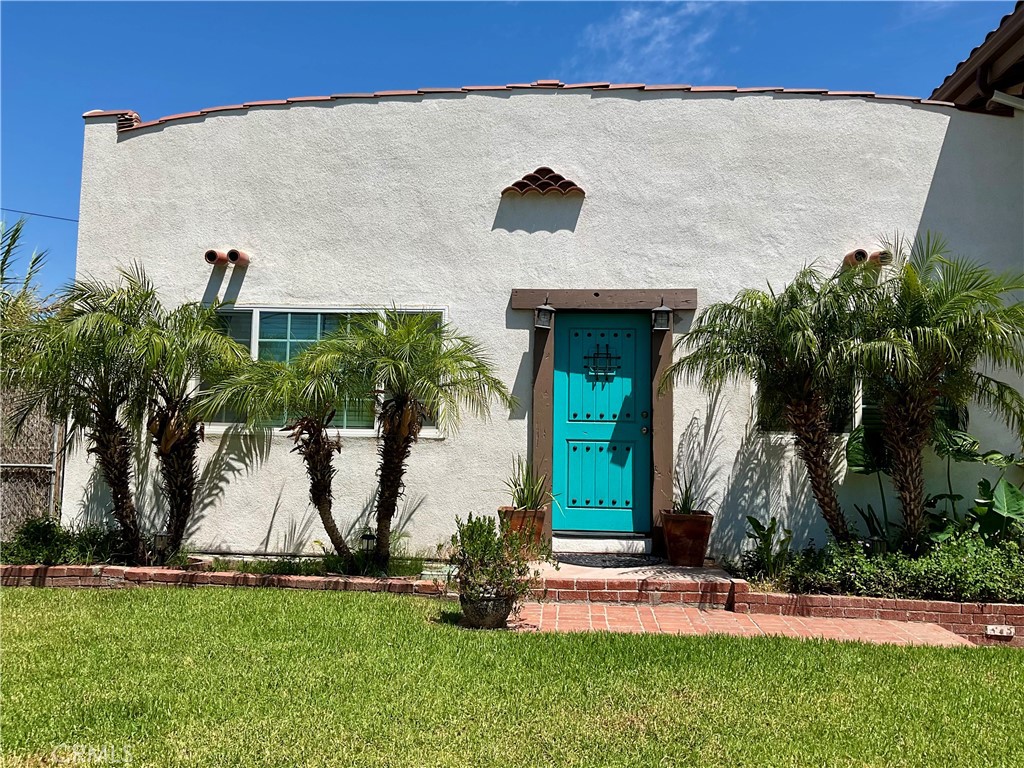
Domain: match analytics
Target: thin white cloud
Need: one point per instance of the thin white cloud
(652, 42)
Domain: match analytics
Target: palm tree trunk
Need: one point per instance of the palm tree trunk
(397, 435)
(317, 451)
(177, 444)
(907, 427)
(112, 445)
(808, 419)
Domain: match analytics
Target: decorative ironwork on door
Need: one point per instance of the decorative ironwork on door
(602, 362)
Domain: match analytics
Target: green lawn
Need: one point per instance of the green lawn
(237, 677)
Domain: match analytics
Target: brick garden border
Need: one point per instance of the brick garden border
(118, 576)
(708, 593)
(965, 619)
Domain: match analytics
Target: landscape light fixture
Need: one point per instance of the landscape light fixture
(368, 541)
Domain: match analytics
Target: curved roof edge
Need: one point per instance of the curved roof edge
(129, 120)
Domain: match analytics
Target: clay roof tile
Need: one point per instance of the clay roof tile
(129, 120)
(543, 181)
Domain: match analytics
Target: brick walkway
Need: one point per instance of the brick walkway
(688, 620)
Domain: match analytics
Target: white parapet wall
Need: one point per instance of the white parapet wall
(364, 203)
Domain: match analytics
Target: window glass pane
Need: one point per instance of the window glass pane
(283, 336)
(273, 325)
(304, 327)
(296, 348)
(358, 414)
(237, 325)
(333, 322)
(274, 350)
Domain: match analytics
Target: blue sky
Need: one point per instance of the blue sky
(58, 60)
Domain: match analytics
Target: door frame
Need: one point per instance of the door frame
(542, 406)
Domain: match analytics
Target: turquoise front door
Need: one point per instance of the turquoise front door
(601, 462)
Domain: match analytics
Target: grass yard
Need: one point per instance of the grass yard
(236, 677)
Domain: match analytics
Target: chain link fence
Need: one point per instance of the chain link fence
(30, 470)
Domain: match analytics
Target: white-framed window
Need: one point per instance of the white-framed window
(280, 333)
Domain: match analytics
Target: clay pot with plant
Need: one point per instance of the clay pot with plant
(492, 571)
(686, 528)
(530, 498)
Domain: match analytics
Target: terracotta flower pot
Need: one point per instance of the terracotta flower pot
(487, 612)
(686, 536)
(526, 521)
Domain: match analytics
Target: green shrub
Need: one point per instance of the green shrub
(769, 558)
(961, 569)
(45, 541)
(490, 560)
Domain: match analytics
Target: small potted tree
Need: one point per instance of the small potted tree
(530, 496)
(492, 572)
(686, 528)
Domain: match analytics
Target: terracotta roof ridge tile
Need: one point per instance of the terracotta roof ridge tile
(129, 120)
(544, 181)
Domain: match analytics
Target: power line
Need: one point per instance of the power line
(43, 215)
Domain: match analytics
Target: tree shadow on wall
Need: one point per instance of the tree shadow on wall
(399, 525)
(767, 480)
(697, 452)
(236, 454)
(295, 538)
(536, 213)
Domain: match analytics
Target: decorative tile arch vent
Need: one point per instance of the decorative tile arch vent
(544, 181)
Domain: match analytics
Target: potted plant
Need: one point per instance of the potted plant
(492, 570)
(530, 496)
(686, 528)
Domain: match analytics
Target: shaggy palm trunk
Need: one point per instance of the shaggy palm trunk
(908, 425)
(808, 419)
(112, 446)
(399, 426)
(317, 451)
(176, 439)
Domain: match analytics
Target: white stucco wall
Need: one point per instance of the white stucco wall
(369, 203)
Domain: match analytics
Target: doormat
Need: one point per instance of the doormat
(608, 561)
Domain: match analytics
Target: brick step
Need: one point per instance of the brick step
(708, 592)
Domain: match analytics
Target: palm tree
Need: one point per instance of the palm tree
(785, 342)
(86, 365)
(189, 346)
(420, 369)
(20, 302)
(307, 393)
(926, 335)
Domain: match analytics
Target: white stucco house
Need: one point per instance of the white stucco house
(601, 200)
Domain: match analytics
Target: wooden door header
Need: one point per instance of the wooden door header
(636, 299)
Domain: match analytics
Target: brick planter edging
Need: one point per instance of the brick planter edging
(711, 593)
(965, 619)
(702, 592)
(117, 576)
